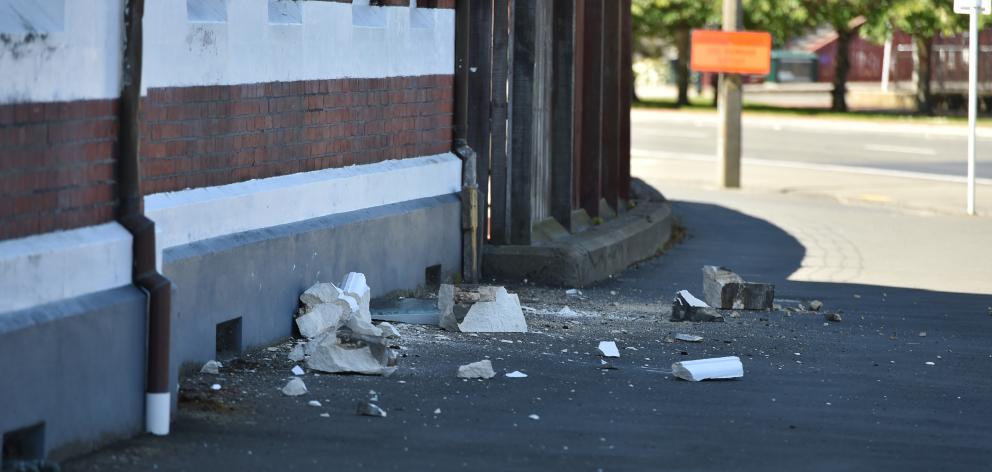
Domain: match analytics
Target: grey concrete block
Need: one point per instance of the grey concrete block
(724, 289)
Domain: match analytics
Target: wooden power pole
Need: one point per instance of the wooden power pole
(729, 109)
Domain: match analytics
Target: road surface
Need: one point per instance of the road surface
(937, 149)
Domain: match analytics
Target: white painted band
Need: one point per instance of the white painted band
(330, 43)
(196, 214)
(54, 266)
(157, 413)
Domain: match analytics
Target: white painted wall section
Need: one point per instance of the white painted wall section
(248, 48)
(54, 266)
(192, 215)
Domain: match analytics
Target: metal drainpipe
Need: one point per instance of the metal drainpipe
(144, 274)
(470, 186)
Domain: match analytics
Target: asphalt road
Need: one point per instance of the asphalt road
(833, 142)
(854, 395)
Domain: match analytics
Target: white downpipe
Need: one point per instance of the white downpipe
(886, 63)
(972, 105)
(157, 414)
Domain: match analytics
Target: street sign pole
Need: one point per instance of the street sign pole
(972, 104)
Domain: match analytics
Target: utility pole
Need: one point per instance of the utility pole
(729, 109)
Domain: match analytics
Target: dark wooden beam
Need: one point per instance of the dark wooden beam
(626, 97)
(522, 121)
(562, 111)
(499, 232)
(611, 103)
(480, 99)
(592, 107)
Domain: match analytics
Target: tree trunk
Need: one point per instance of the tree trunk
(842, 66)
(922, 74)
(682, 65)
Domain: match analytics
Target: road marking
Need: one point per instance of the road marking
(644, 153)
(673, 133)
(901, 149)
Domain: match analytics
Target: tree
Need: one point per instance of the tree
(784, 19)
(924, 20)
(672, 20)
(843, 16)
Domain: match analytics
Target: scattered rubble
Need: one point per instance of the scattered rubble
(516, 375)
(294, 388)
(689, 338)
(815, 305)
(346, 352)
(480, 309)
(724, 289)
(686, 307)
(211, 367)
(703, 369)
(573, 292)
(370, 409)
(298, 353)
(833, 317)
(608, 349)
(477, 370)
(297, 370)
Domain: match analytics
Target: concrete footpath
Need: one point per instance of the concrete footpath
(901, 383)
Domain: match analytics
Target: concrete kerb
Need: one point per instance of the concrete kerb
(592, 255)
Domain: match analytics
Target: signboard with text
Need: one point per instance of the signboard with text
(739, 52)
(964, 7)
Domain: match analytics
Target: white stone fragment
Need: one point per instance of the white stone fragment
(703, 369)
(370, 409)
(297, 370)
(573, 292)
(320, 293)
(314, 403)
(533, 417)
(608, 349)
(437, 411)
(388, 330)
(320, 318)
(516, 375)
(294, 388)
(503, 315)
(692, 300)
(689, 338)
(327, 354)
(567, 312)
(298, 353)
(325, 415)
(355, 286)
(215, 387)
(477, 370)
(211, 367)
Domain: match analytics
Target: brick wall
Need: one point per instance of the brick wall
(56, 166)
(205, 136)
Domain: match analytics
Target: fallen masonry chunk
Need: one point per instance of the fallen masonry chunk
(516, 375)
(608, 349)
(724, 289)
(389, 331)
(294, 388)
(690, 338)
(370, 409)
(211, 367)
(686, 307)
(297, 354)
(477, 370)
(480, 309)
(703, 369)
(834, 317)
(297, 370)
(320, 318)
(355, 286)
(348, 352)
(815, 305)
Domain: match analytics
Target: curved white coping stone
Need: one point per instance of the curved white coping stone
(327, 44)
(45, 268)
(193, 215)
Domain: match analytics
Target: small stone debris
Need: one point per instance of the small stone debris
(298, 353)
(603, 365)
(215, 387)
(686, 307)
(573, 292)
(833, 317)
(325, 415)
(297, 370)
(389, 331)
(272, 349)
(704, 369)
(294, 388)
(477, 370)
(480, 309)
(211, 367)
(437, 411)
(689, 338)
(608, 349)
(815, 305)
(567, 312)
(668, 339)
(516, 375)
(533, 417)
(314, 403)
(722, 288)
(370, 409)
(931, 363)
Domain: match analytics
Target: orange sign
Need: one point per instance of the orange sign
(739, 52)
